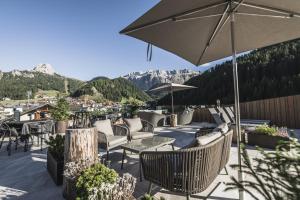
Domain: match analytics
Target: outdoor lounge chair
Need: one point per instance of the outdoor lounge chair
(110, 136)
(230, 113)
(189, 170)
(154, 118)
(139, 129)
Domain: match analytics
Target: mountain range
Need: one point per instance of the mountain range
(16, 83)
(148, 79)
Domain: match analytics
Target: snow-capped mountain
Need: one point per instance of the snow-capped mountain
(145, 80)
(44, 68)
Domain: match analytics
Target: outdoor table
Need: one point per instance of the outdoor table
(24, 128)
(139, 146)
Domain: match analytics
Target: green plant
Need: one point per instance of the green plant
(56, 147)
(61, 111)
(265, 129)
(133, 104)
(150, 197)
(275, 175)
(94, 177)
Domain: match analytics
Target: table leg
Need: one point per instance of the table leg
(140, 168)
(172, 146)
(123, 157)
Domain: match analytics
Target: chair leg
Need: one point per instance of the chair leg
(213, 190)
(150, 188)
(187, 197)
(107, 155)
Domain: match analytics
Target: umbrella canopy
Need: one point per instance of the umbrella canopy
(172, 87)
(207, 30)
(199, 31)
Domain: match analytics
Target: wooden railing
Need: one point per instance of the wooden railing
(282, 111)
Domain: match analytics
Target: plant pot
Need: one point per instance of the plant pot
(61, 126)
(69, 191)
(264, 141)
(55, 169)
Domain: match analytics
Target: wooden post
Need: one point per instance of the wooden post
(80, 144)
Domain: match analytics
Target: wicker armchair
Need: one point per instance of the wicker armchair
(190, 170)
(185, 117)
(110, 136)
(139, 129)
(154, 118)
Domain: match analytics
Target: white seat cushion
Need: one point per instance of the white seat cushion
(134, 124)
(116, 140)
(140, 135)
(205, 139)
(104, 126)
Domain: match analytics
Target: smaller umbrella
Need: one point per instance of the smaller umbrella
(172, 87)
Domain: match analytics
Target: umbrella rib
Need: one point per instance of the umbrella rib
(260, 15)
(182, 14)
(199, 17)
(216, 31)
(271, 9)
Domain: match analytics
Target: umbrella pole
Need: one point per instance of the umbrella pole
(172, 99)
(236, 104)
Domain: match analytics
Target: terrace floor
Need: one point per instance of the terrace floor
(23, 175)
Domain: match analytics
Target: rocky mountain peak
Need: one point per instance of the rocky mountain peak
(44, 68)
(145, 80)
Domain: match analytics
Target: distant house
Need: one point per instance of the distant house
(37, 113)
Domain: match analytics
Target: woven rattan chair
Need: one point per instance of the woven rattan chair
(139, 129)
(190, 170)
(110, 136)
(154, 118)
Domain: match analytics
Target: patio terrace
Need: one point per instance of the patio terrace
(24, 174)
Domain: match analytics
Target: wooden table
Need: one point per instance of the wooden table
(139, 146)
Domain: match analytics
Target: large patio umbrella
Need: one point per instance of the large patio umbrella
(207, 30)
(172, 87)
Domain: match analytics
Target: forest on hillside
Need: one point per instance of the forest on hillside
(111, 89)
(15, 86)
(268, 72)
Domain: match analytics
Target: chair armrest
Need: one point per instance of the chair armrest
(103, 138)
(147, 126)
(120, 130)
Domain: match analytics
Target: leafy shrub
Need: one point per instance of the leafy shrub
(275, 175)
(150, 197)
(266, 130)
(94, 177)
(61, 111)
(56, 147)
(122, 189)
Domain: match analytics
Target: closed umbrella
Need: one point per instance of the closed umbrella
(207, 30)
(172, 87)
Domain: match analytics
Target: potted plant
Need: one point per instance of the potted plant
(133, 105)
(100, 182)
(267, 137)
(60, 114)
(55, 158)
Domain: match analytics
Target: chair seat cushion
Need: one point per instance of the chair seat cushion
(141, 135)
(205, 139)
(116, 140)
(134, 124)
(104, 126)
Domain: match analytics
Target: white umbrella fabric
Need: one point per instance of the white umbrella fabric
(172, 87)
(207, 30)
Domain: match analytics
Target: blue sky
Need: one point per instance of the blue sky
(79, 38)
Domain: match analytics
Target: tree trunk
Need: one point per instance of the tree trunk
(80, 144)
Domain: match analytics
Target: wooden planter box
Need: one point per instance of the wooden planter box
(55, 169)
(264, 141)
